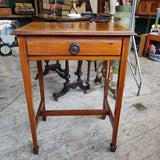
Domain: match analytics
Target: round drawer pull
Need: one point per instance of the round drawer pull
(74, 48)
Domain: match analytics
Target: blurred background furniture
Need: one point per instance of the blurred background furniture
(150, 37)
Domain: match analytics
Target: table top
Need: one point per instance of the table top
(73, 28)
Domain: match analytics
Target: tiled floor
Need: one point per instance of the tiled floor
(81, 137)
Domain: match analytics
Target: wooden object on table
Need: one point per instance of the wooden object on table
(101, 4)
(54, 41)
(150, 37)
(148, 7)
(5, 11)
(142, 44)
(24, 8)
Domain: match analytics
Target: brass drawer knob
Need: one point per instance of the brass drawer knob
(74, 48)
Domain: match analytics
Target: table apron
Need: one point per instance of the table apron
(57, 46)
(43, 58)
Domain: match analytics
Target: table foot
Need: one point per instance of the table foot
(103, 117)
(44, 118)
(113, 148)
(36, 150)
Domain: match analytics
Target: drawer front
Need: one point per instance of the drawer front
(61, 47)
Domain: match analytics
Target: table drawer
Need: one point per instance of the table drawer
(79, 47)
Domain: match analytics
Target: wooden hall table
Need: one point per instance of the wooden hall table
(73, 41)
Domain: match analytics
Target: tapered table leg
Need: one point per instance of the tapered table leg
(41, 85)
(28, 91)
(120, 87)
(106, 84)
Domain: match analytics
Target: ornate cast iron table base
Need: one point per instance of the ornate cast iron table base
(73, 85)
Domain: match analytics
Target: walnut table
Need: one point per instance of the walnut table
(40, 41)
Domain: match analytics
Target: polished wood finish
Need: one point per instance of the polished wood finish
(75, 29)
(108, 108)
(150, 37)
(40, 77)
(28, 91)
(34, 58)
(5, 11)
(60, 46)
(120, 86)
(107, 75)
(44, 41)
(73, 112)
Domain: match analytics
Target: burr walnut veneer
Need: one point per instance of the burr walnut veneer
(73, 41)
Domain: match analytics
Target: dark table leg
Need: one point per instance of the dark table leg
(54, 67)
(73, 85)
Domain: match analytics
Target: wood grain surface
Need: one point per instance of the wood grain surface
(73, 28)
